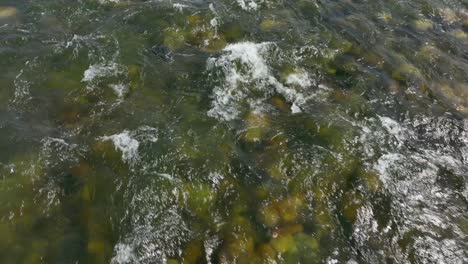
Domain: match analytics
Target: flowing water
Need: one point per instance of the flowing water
(233, 131)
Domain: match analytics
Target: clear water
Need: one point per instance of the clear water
(241, 131)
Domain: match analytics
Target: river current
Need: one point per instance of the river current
(233, 131)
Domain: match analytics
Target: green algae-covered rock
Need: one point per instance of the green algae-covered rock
(7, 231)
(463, 225)
(64, 81)
(374, 59)
(429, 52)
(283, 244)
(202, 32)
(281, 104)
(239, 249)
(270, 215)
(200, 199)
(351, 100)
(37, 252)
(299, 185)
(174, 38)
(276, 172)
(134, 74)
(283, 211)
(330, 135)
(254, 134)
(423, 24)
(106, 149)
(372, 181)
(271, 24)
(288, 230)
(323, 219)
(341, 44)
(214, 43)
(267, 253)
(232, 32)
(172, 261)
(257, 125)
(7, 12)
(405, 71)
(239, 242)
(289, 209)
(455, 95)
(307, 242)
(18, 188)
(351, 202)
(193, 252)
(308, 247)
(100, 250)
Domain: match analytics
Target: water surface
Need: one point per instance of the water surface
(233, 131)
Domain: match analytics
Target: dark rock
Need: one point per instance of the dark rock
(163, 52)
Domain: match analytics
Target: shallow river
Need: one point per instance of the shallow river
(233, 131)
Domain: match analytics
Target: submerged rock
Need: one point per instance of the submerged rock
(351, 202)
(257, 125)
(7, 12)
(172, 261)
(283, 244)
(236, 176)
(214, 44)
(239, 243)
(423, 24)
(174, 39)
(456, 96)
(268, 253)
(281, 212)
(460, 34)
(163, 52)
(200, 199)
(134, 74)
(308, 247)
(271, 24)
(193, 253)
(270, 215)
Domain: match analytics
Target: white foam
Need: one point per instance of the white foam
(248, 4)
(384, 164)
(211, 244)
(100, 70)
(392, 126)
(301, 79)
(214, 22)
(179, 7)
(101, 74)
(251, 54)
(227, 96)
(123, 254)
(109, 1)
(120, 90)
(126, 144)
(246, 72)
